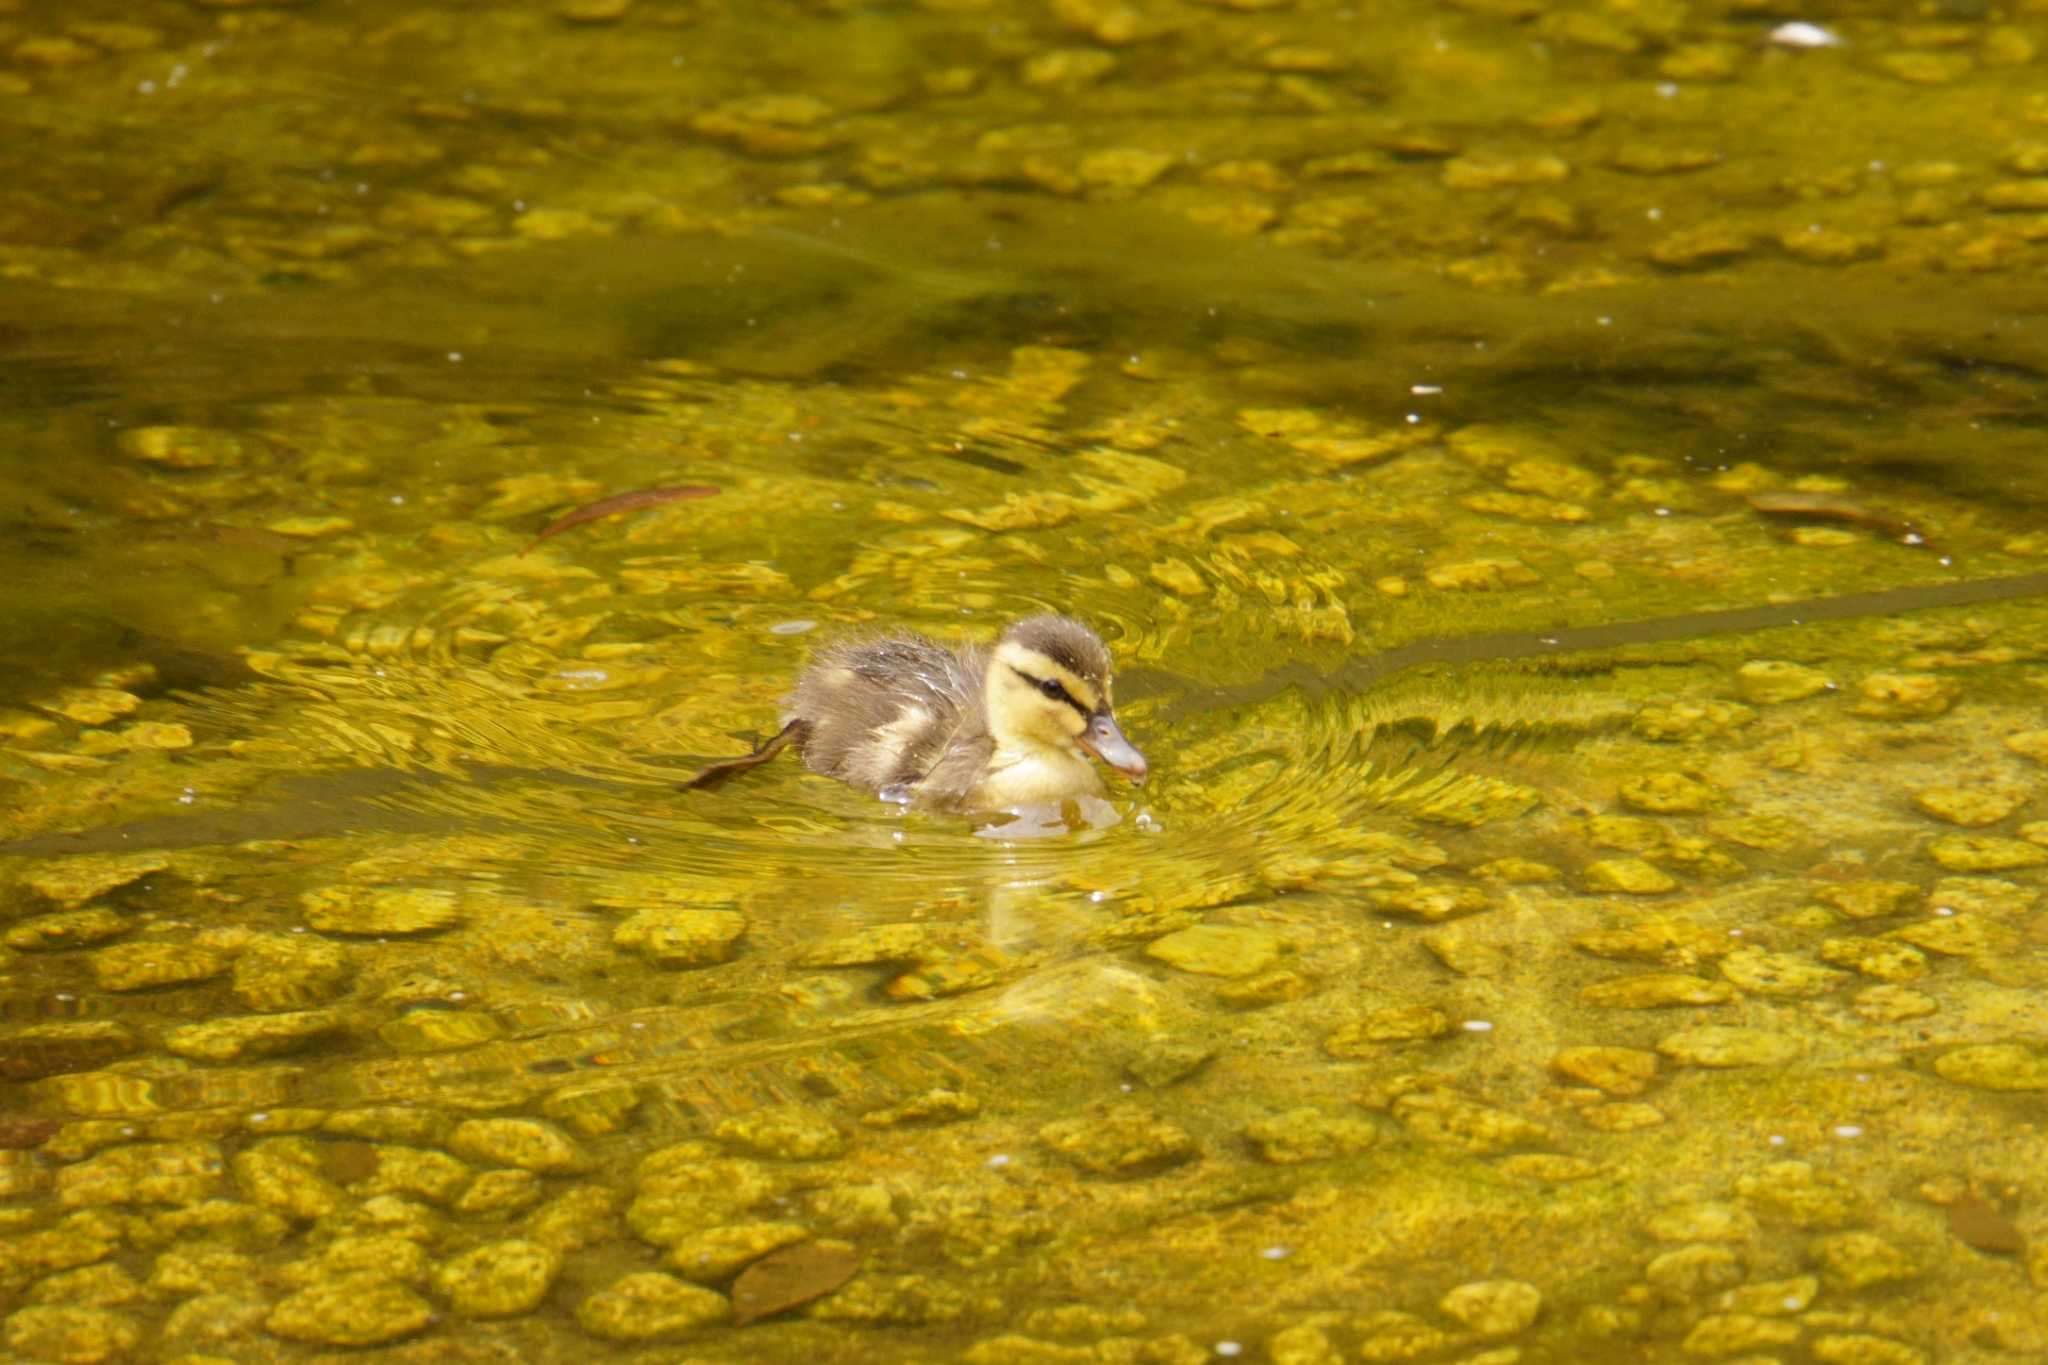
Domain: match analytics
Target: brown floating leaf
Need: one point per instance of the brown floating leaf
(1831, 507)
(622, 502)
(788, 1278)
(1977, 1222)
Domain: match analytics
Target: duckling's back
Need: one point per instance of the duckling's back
(885, 713)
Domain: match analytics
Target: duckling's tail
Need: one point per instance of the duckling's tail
(792, 733)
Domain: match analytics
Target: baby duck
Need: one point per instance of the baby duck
(963, 728)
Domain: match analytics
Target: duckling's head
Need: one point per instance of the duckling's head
(1048, 686)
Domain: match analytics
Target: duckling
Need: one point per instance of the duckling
(965, 727)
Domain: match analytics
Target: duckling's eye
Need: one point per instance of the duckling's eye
(1051, 687)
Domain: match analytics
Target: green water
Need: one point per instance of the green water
(1637, 983)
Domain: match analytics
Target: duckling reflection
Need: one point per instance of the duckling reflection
(965, 727)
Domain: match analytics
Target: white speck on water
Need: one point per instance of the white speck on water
(1477, 1026)
(1277, 1253)
(1848, 1130)
(1229, 1348)
(1800, 33)
(796, 627)
(998, 1161)
(1776, 1139)
(1425, 390)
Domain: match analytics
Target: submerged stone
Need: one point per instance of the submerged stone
(256, 1035)
(786, 1133)
(149, 964)
(73, 1335)
(1784, 975)
(1656, 990)
(289, 971)
(498, 1279)
(527, 1144)
(1967, 805)
(1770, 682)
(352, 1310)
(1670, 793)
(1714, 1045)
(717, 1254)
(1856, 1260)
(1309, 1134)
(1869, 900)
(74, 881)
(1622, 1071)
(1123, 1144)
(650, 1306)
(143, 1173)
(1482, 1129)
(1630, 876)
(681, 937)
(1217, 950)
(1985, 853)
(1494, 1308)
(381, 912)
(1906, 696)
(66, 929)
(1995, 1066)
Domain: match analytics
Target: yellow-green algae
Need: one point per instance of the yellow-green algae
(368, 975)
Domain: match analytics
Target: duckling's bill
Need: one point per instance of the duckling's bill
(1106, 741)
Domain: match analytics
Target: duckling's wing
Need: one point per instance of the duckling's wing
(882, 713)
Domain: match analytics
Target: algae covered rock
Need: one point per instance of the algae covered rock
(671, 936)
(1126, 1143)
(74, 881)
(41, 1050)
(380, 912)
(1494, 1308)
(1621, 1071)
(1309, 1134)
(1217, 950)
(1629, 876)
(1656, 990)
(717, 1254)
(1995, 1066)
(1715, 1045)
(1669, 793)
(684, 1190)
(66, 929)
(526, 1144)
(498, 1279)
(350, 1310)
(1967, 805)
(650, 1306)
(1857, 1260)
(1795, 1194)
(1457, 1121)
(256, 1035)
(143, 1173)
(149, 964)
(1771, 682)
(786, 1133)
(1906, 696)
(1981, 853)
(289, 971)
(73, 1335)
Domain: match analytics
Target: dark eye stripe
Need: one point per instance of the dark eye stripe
(1052, 687)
